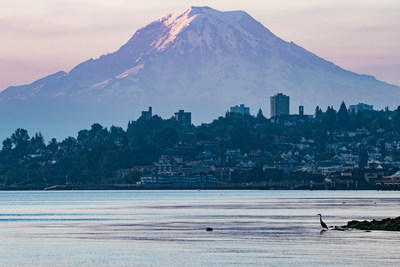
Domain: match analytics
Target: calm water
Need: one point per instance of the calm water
(167, 228)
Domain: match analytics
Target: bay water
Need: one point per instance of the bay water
(168, 228)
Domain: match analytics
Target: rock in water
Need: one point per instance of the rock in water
(387, 224)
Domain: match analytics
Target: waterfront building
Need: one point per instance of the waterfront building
(185, 181)
(164, 166)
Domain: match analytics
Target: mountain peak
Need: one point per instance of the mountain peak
(206, 22)
(188, 60)
(208, 11)
(202, 9)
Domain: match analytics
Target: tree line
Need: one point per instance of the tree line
(95, 154)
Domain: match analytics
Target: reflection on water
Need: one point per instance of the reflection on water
(168, 228)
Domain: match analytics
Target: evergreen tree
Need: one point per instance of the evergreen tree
(7, 144)
(318, 112)
(83, 136)
(53, 145)
(396, 119)
(329, 118)
(260, 115)
(21, 141)
(37, 142)
(20, 138)
(359, 120)
(343, 117)
(69, 143)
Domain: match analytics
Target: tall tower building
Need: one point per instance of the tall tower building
(301, 110)
(279, 105)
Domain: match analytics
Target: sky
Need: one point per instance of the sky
(41, 37)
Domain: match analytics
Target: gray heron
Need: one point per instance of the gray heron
(324, 226)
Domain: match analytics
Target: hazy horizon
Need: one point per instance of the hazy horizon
(48, 36)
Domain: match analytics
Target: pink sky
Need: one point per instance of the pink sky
(41, 37)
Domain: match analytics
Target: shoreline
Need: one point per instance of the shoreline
(171, 187)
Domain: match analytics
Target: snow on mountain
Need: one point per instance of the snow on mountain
(202, 60)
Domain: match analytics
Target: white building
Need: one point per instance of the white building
(242, 109)
(360, 107)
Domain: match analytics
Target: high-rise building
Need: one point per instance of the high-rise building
(360, 107)
(147, 114)
(301, 110)
(183, 118)
(279, 105)
(242, 109)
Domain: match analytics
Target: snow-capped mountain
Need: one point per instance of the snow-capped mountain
(201, 60)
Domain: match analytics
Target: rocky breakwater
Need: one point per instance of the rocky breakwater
(387, 224)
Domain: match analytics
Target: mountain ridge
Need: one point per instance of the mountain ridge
(190, 59)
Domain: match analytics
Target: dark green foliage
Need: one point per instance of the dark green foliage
(329, 118)
(396, 119)
(260, 116)
(166, 137)
(318, 112)
(363, 158)
(98, 154)
(7, 144)
(343, 120)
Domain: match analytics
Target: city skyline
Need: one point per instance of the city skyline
(42, 38)
(280, 107)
